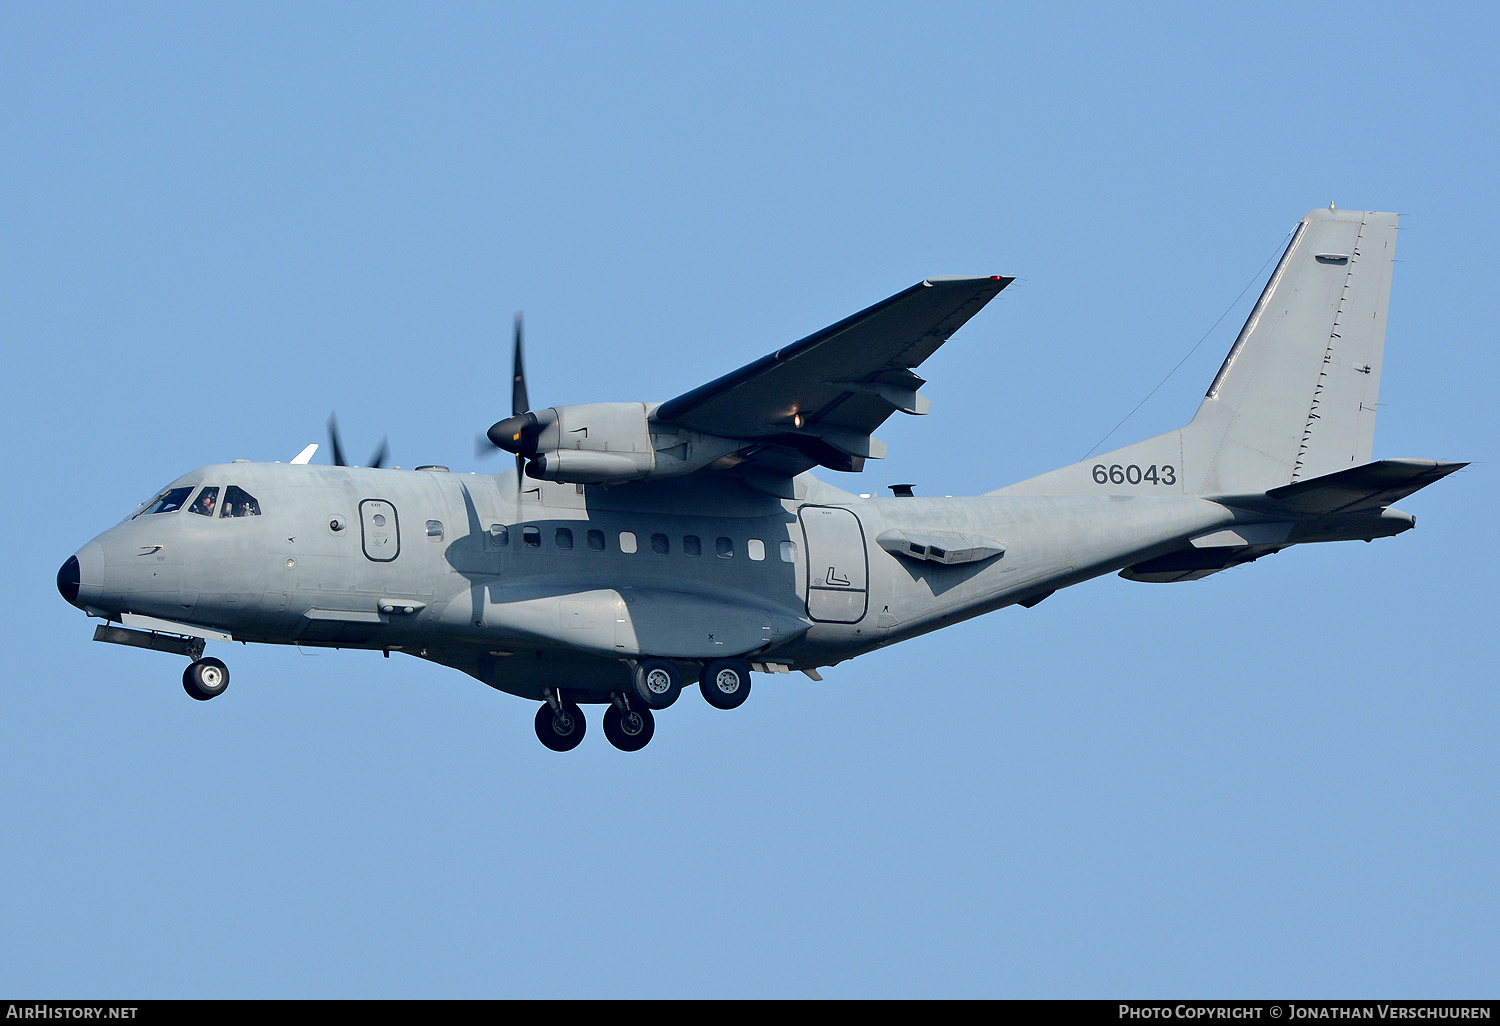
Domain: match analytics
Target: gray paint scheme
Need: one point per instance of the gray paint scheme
(503, 577)
(1296, 397)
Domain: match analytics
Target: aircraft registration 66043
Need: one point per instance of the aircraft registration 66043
(633, 545)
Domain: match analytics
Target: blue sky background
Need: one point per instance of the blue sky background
(220, 222)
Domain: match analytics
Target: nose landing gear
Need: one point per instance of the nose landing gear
(205, 679)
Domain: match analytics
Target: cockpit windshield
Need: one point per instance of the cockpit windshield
(169, 501)
(240, 503)
(206, 502)
(236, 502)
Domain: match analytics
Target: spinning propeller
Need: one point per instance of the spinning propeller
(517, 433)
(376, 461)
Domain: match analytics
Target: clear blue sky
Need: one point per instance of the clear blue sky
(220, 222)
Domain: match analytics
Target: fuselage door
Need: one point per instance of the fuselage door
(381, 533)
(837, 574)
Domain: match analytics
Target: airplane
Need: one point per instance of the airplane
(634, 545)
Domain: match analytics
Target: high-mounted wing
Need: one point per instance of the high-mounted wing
(818, 400)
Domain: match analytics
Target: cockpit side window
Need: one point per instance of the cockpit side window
(169, 501)
(240, 503)
(207, 502)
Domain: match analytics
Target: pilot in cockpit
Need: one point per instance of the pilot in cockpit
(205, 503)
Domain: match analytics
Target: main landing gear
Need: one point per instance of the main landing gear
(628, 729)
(725, 683)
(628, 721)
(560, 725)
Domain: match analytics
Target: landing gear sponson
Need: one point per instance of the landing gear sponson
(628, 721)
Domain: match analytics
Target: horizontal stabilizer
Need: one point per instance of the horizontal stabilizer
(1356, 490)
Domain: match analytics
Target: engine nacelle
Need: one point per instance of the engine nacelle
(585, 466)
(596, 427)
(605, 443)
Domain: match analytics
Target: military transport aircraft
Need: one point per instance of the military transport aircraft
(635, 543)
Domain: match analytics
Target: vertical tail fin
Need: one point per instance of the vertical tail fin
(1296, 396)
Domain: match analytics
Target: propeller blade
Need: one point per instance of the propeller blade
(382, 454)
(519, 432)
(336, 444)
(333, 439)
(518, 401)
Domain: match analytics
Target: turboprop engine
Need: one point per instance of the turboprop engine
(605, 443)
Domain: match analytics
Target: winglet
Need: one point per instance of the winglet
(306, 455)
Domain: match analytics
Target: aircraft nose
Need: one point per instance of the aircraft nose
(81, 578)
(68, 579)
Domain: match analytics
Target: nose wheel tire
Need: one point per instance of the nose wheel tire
(657, 682)
(205, 679)
(725, 683)
(563, 730)
(629, 731)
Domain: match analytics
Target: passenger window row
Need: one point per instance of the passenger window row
(661, 544)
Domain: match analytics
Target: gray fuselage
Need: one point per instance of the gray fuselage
(563, 585)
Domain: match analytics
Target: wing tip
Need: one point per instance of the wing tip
(949, 279)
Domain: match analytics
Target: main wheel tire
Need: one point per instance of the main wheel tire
(657, 682)
(629, 731)
(725, 683)
(205, 679)
(563, 730)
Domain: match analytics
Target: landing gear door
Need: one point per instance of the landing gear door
(837, 574)
(381, 532)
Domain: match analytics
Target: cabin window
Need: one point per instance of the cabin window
(435, 530)
(789, 552)
(207, 502)
(755, 549)
(660, 545)
(563, 539)
(692, 546)
(531, 537)
(596, 541)
(240, 503)
(499, 535)
(627, 542)
(169, 501)
(724, 547)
